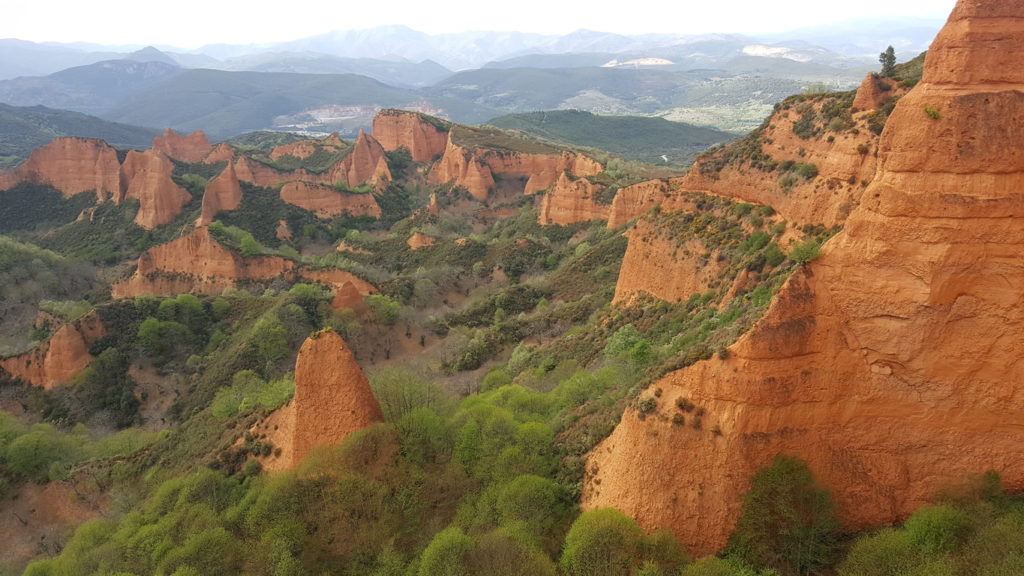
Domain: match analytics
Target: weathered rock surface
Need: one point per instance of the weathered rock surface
(146, 176)
(72, 166)
(222, 193)
(458, 165)
(571, 201)
(196, 264)
(349, 297)
(662, 268)
(59, 359)
(221, 153)
(633, 201)
(301, 149)
(326, 202)
(417, 241)
(332, 395)
(367, 163)
(192, 148)
(890, 365)
(336, 279)
(395, 129)
(872, 92)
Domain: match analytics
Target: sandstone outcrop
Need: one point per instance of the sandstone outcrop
(475, 170)
(146, 176)
(72, 166)
(366, 163)
(222, 193)
(872, 92)
(196, 264)
(348, 297)
(845, 163)
(633, 201)
(332, 395)
(417, 241)
(326, 202)
(337, 279)
(59, 359)
(300, 149)
(192, 148)
(571, 201)
(395, 129)
(662, 268)
(890, 365)
(221, 153)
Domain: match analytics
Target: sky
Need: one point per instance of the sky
(190, 24)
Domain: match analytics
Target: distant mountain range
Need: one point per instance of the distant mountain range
(337, 81)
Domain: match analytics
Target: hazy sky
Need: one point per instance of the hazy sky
(192, 23)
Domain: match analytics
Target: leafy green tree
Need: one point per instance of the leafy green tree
(805, 251)
(446, 554)
(888, 60)
(602, 542)
(788, 523)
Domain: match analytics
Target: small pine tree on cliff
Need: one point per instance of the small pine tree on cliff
(888, 60)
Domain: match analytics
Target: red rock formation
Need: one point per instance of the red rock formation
(300, 149)
(332, 395)
(337, 279)
(633, 201)
(348, 297)
(433, 209)
(146, 176)
(395, 129)
(662, 268)
(260, 174)
(71, 165)
(221, 153)
(541, 170)
(417, 241)
(571, 201)
(872, 92)
(890, 365)
(843, 165)
(326, 202)
(283, 232)
(192, 148)
(61, 358)
(196, 264)
(222, 193)
(367, 163)
(458, 165)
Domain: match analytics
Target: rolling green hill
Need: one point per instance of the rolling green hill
(25, 128)
(632, 137)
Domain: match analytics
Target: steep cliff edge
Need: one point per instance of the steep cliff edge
(326, 202)
(367, 163)
(425, 138)
(198, 264)
(60, 358)
(146, 176)
(192, 148)
(222, 193)
(570, 201)
(332, 400)
(72, 166)
(890, 364)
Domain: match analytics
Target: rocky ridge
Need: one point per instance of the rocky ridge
(887, 364)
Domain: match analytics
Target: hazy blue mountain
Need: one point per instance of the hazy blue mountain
(90, 89)
(22, 58)
(25, 128)
(396, 72)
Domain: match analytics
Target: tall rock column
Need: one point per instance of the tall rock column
(891, 364)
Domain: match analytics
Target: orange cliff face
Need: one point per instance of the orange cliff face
(845, 163)
(192, 148)
(475, 170)
(332, 400)
(61, 358)
(367, 163)
(146, 176)
(72, 166)
(663, 268)
(890, 364)
(196, 264)
(571, 201)
(222, 193)
(326, 202)
(633, 201)
(396, 129)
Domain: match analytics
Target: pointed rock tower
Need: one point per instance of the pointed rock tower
(332, 395)
(892, 364)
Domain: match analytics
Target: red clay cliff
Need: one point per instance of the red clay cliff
(890, 364)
